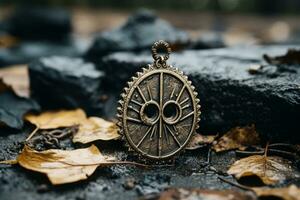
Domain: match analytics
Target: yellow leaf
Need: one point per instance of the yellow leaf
(9, 162)
(90, 129)
(237, 138)
(57, 119)
(270, 169)
(95, 128)
(289, 193)
(63, 166)
(199, 141)
(16, 77)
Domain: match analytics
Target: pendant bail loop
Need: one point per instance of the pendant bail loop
(161, 45)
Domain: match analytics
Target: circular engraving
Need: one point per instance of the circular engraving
(159, 112)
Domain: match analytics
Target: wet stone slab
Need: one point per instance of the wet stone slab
(138, 33)
(59, 82)
(26, 52)
(230, 95)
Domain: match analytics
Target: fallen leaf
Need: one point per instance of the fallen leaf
(199, 141)
(290, 58)
(203, 194)
(7, 41)
(288, 193)
(62, 166)
(90, 129)
(270, 169)
(16, 77)
(95, 128)
(237, 138)
(65, 166)
(13, 107)
(57, 119)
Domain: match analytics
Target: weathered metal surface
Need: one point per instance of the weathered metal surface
(159, 109)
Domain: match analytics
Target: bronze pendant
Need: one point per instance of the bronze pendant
(159, 110)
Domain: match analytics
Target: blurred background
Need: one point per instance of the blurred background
(76, 23)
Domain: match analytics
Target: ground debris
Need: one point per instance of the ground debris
(292, 57)
(89, 129)
(270, 169)
(237, 138)
(287, 193)
(63, 166)
(199, 141)
(203, 194)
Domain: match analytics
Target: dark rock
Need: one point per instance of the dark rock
(42, 188)
(13, 108)
(229, 94)
(139, 33)
(208, 41)
(66, 82)
(40, 23)
(28, 51)
(129, 183)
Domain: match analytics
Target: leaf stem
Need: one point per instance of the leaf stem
(9, 162)
(109, 163)
(32, 134)
(236, 184)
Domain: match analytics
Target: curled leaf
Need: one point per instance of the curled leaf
(63, 166)
(95, 128)
(292, 57)
(270, 169)
(90, 129)
(237, 138)
(13, 107)
(204, 194)
(67, 166)
(199, 141)
(288, 193)
(16, 77)
(57, 119)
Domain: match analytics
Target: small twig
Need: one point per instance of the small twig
(32, 134)
(9, 162)
(249, 153)
(208, 156)
(266, 150)
(236, 184)
(110, 163)
(282, 145)
(282, 153)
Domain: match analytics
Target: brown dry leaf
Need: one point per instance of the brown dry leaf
(199, 141)
(203, 194)
(7, 41)
(63, 166)
(288, 193)
(4, 87)
(16, 77)
(90, 129)
(237, 138)
(292, 57)
(270, 169)
(57, 119)
(95, 128)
